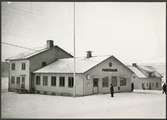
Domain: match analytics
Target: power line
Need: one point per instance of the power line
(14, 45)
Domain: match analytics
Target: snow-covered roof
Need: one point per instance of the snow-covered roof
(66, 65)
(137, 72)
(28, 54)
(147, 68)
(150, 69)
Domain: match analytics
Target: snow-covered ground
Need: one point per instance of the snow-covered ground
(4, 84)
(138, 104)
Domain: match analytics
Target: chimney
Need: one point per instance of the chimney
(50, 43)
(134, 64)
(89, 54)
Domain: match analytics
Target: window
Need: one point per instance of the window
(13, 66)
(70, 81)
(114, 80)
(122, 81)
(18, 80)
(157, 84)
(23, 79)
(143, 86)
(45, 80)
(53, 81)
(110, 64)
(43, 64)
(38, 80)
(88, 77)
(23, 66)
(13, 80)
(152, 84)
(95, 82)
(105, 81)
(147, 84)
(62, 81)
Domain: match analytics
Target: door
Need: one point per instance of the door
(23, 82)
(95, 85)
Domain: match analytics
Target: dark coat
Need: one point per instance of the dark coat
(164, 87)
(112, 89)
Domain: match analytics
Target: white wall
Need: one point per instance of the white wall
(138, 83)
(60, 90)
(18, 72)
(98, 73)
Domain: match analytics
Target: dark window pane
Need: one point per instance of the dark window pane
(13, 80)
(62, 81)
(122, 81)
(13, 66)
(18, 80)
(53, 80)
(105, 81)
(23, 79)
(38, 80)
(157, 84)
(95, 82)
(114, 80)
(23, 66)
(70, 81)
(45, 80)
(43, 64)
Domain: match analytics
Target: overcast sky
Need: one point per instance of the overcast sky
(132, 32)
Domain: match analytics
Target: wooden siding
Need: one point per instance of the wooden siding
(97, 72)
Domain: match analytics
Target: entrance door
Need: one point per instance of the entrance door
(95, 85)
(23, 82)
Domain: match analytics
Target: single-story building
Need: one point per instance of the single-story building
(94, 75)
(146, 77)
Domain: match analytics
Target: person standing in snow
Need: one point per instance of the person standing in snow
(164, 88)
(112, 90)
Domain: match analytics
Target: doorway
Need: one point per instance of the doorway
(95, 85)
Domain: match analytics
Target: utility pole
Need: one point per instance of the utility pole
(74, 86)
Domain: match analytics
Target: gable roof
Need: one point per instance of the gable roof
(137, 72)
(146, 69)
(29, 54)
(150, 69)
(66, 65)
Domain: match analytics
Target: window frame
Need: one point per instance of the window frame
(115, 83)
(13, 66)
(95, 79)
(43, 64)
(156, 84)
(70, 82)
(17, 80)
(105, 82)
(12, 79)
(53, 81)
(62, 81)
(123, 81)
(23, 77)
(23, 66)
(38, 80)
(45, 81)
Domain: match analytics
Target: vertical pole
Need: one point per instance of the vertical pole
(74, 87)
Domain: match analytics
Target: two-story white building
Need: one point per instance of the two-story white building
(23, 65)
